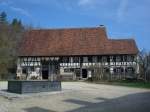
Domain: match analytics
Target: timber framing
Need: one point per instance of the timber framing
(79, 53)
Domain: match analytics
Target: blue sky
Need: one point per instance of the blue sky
(122, 18)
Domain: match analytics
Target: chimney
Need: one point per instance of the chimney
(102, 26)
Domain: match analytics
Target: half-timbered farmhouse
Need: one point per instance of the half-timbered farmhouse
(76, 53)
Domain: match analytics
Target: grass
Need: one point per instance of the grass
(136, 84)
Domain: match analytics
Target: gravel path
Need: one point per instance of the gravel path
(81, 97)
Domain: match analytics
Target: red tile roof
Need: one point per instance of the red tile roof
(74, 41)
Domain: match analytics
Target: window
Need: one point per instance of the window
(32, 68)
(24, 71)
(125, 58)
(130, 58)
(61, 59)
(75, 59)
(130, 70)
(85, 59)
(24, 59)
(90, 59)
(38, 59)
(94, 59)
(114, 58)
(29, 59)
(111, 58)
(104, 59)
(69, 70)
(70, 59)
(99, 58)
(118, 59)
(118, 70)
(106, 70)
(65, 59)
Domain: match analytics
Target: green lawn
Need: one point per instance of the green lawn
(137, 84)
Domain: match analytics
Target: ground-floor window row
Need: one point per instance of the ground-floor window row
(45, 72)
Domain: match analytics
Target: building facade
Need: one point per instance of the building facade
(76, 53)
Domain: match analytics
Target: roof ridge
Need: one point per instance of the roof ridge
(122, 39)
(69, 28)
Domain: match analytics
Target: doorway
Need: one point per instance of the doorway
(45, 74)
(45, 70)
(84, 73)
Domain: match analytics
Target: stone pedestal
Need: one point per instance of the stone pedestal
(33, 86)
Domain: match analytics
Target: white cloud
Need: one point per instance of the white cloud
(93, 3)
(10, 5)
(90, 4)
(20, 10)
(85, 2)
(122, 10)
(133, 12)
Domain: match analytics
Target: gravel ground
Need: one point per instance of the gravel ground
(80, 97)
(3, 85)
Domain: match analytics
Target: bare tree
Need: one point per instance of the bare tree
(144, 64)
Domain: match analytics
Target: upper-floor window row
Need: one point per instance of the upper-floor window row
(94, 59)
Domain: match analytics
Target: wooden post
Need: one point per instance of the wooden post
(40, 69)
(27, 69)
(81, 60)
(49, 70)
